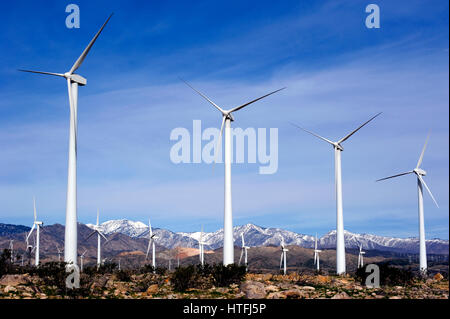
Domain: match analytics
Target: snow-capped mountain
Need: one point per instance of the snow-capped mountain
(368, 241)
(260, 236)
(124, 226)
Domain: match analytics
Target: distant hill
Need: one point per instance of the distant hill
(8, 229)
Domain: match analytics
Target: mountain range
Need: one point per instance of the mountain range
(256, 236)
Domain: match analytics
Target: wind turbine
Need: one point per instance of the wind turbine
(36, 224)
(361, 257)
(99, 235)
(420, 183)
(244, 252)
(316, 255)
(59, 252)
(340, 242)
(201, 246)
(73, 81)
(151, 242)
(227, 118)
(81, 259)
(283, 256)
(11, 250)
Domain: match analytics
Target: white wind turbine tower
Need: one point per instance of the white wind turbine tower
(420, 183)
(36, 224)
(316, 255)
(59, 252)
(340, 242)
(227, 118)
(283, 255)
(81, 259)
(73, 81)
(11, 250)
(201, 246)
(244, 252)
(151, 243)
(99, 240)
(361, 257)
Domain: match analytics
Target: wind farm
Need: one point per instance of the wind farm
(147, 143)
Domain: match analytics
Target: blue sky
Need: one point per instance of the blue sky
(338, 73)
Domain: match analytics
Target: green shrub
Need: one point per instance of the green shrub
(227, 275)
(147, 268)
(123, 275)
(161, 271)
(5, 262)
(107, 268)
(184, 278)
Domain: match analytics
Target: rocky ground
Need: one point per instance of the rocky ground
(255, 286)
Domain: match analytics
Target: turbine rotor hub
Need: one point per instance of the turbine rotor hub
(228, 116)
(338, 146)
(76, 78)
(420, 171)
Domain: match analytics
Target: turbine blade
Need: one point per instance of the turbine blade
(240, 258)
(90, 235)
(429, 191)
(281, 259)
(382, 179)
(253, 101)
(423, 152)
(348, 136)
(31, 231)
(242, 237)
(34, 209)
(204, 96)
(80, 60)
(219, 142)
(101, 234)
(148, 249)
(150, 228)
(312, 133)
(106, 241)
(40, 72)
(98, 213)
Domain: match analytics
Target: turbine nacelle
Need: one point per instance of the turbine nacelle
(228, 115)
(338, 146)
(420, 172)
(76, 78)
